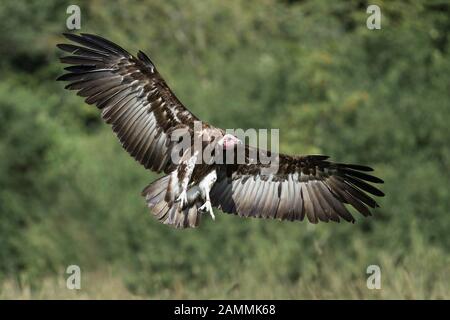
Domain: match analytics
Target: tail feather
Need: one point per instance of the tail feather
(169, 213)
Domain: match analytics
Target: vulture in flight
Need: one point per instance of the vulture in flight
(144, 114)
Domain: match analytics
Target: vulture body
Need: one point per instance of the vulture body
(144, 113)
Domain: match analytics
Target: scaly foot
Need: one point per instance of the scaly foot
(182, 198)
(207, 207)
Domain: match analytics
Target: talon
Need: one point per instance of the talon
(182, 198)
(207, 207)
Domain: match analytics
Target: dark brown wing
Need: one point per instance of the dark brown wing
(307, 186)
(132, 95)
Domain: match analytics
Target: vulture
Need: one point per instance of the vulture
(145, 114)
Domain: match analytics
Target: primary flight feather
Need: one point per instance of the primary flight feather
(144, 113)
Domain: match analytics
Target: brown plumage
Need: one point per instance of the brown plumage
(304, 186)
(143, 112)
(133, 97)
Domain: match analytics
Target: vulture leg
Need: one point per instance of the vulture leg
(205, 187)
(184, 173)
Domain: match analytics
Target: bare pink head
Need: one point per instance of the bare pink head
(229, 141)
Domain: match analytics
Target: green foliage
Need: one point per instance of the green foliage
(70, 195)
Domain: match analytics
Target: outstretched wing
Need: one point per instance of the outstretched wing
(307, 186)
(132, 95)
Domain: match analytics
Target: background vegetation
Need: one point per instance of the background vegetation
(70, 195)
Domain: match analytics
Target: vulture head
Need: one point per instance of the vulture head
(229, 141)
